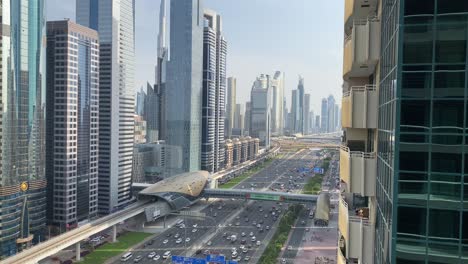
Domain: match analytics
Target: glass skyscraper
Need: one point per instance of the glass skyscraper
(114, 20)
(72, 123)
(22, 117)
(183, 100)
(422, 169)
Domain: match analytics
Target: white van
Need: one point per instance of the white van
(126, 256)
(167, 255)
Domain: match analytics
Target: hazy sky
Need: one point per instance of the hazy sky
(299, 37)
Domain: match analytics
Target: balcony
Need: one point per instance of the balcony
(358, 9)
(359, 107)
(357, 234)
(361, 49)
(358, 170)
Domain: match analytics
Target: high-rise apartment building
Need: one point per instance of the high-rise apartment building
(114, 20)
(295, 112)
(214, 89)
(306, 110)
(331, 114)
(277, 86)
(22, 123)
(183, 93)
(324, 116)
(260, 113)
(230, 106)
(72, 102)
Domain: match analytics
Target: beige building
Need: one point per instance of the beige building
(358, 166)
(228, 156)
(140, 130)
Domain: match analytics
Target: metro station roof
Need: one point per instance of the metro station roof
(190, 183)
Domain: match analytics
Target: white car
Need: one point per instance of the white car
(157, 257)
(187, 239)
(209, 243)
(251, 234)
(178, 241)
(243, 234)
(151, 255)
(194, 230)
(259, 243)
(195, 225)
(165, 241)
(253, 239)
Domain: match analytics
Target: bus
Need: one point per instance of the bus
(179, 222)
(126, 256)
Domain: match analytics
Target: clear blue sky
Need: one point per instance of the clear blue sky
(299, 37)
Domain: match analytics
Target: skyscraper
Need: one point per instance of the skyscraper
(324, 116)
(247, 117)
(183, 100)
(285, 115)
(260, 115)
(152, 112)
(214, 89)
(306, 113)
(140, 102)
(337, 113)
(230, 105)
(317, 124)
(331, 114)
(114, 20)
(79, 202)
(22, 115)
(277, 86)
(295, 115)
(311, 122)
(239, 120)
(300, 90)
(158, 100)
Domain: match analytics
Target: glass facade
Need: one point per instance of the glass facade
(22, 115)
(422, 175)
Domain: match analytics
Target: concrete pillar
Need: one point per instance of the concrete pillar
(78, 251)
(114, 233)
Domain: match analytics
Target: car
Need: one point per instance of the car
(283, 261)
(178, 241)
(249, 245)
(247, 258)
(253, 239)
(259, 243)
(206, 252)
(209, 243)
(215, 214)
(246, 219)
(261, 210)
(151, 255)
(230, 224)
(167, 254)
(198, 251)
(237, 217)
(233, 250)
(187, 239)
(224, 234)
(265, 216)
(241, 247)
(194, 230)
(220, 207)
(245, 250)
(168, 235)
(243, 234)
(237, 224)
(177, 235)
(258, 226)
(303, 222)
(261, 230)
(182, 226)
(267, 227)
(290, 247)
(261, 222)
(251, 234)
(254, 223)
(307, 229)
(243, 241)
(166, 241)
(138, 259)
(157, 257)
(195, 225)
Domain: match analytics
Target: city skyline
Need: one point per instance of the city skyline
(320, 65)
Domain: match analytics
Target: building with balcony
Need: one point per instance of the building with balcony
(403, 160)
(228, 148)
(236, 151)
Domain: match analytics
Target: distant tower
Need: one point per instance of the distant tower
(324, 116)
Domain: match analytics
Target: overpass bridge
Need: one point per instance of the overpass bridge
(155, 200)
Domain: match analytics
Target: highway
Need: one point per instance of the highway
(230, 217)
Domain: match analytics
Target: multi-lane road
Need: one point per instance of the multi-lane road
(233, 217)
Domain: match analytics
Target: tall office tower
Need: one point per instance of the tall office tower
(152, 113)
(22, 116)
(324, 116)
(295, 112)
(358, 155)
(239, 118)
(247, 117)
(417, 201)
(277, 85)
(260, 113)
(337, 118)
(72, 191)
(114, 20)
(214, 88)
(183, 99)
(230, 106)
(140, 102)
(300, 89)
(331, 114)
(311, 122)
(317, 124)
(159, 90)
(306, 113)
(285, 114)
